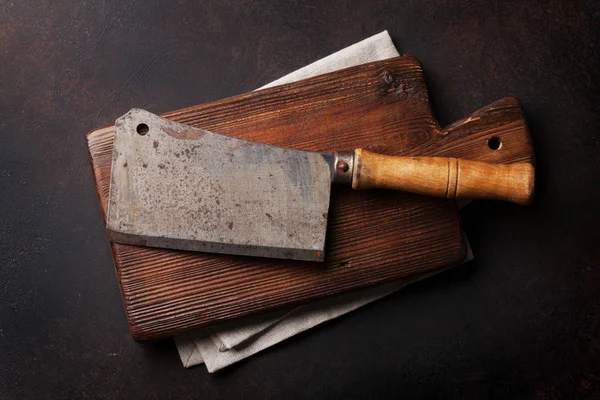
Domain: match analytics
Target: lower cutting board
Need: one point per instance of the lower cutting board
(373, 236)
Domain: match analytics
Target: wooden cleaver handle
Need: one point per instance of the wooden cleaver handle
(451, 178)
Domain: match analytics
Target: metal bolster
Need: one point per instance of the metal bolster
(343, 162)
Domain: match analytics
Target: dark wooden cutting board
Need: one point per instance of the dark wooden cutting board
(373, 236)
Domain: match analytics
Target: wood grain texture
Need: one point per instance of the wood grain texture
(373, 237)
(445, 177)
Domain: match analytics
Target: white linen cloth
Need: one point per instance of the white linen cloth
(225, 344)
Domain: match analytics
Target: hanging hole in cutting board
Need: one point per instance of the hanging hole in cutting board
(142, 129)
(494, 143)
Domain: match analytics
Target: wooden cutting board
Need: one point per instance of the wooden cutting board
(373, 236)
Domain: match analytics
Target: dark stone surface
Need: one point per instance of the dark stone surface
(522, 321)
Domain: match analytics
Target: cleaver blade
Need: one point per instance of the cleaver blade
(179, 187)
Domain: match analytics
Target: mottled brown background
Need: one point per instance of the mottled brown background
(522, 321)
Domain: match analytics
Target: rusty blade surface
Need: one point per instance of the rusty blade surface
(180, 187)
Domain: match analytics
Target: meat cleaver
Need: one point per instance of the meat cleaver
(180, 187)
